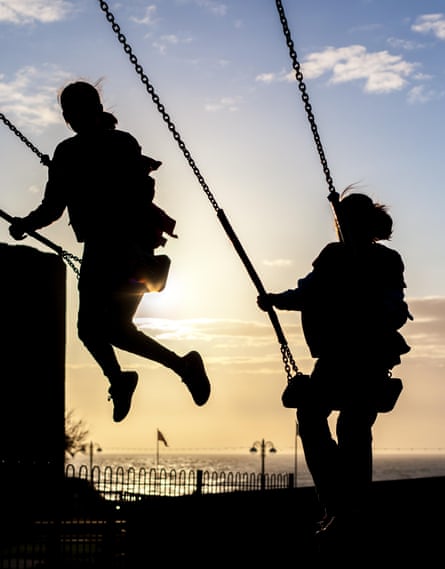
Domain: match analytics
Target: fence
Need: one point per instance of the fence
(102, 517)
(131, 484)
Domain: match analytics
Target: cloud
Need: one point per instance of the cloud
(431, 23)
(268, 77)
(380, 72)
(213, 6)
(30, 96)
(216, 8)
(22, 12)
(149, 18)
(224, 104)
(206, 329)
(406, 45)
(425, 334)
(278, 262)
(420, 94)
(427, 331)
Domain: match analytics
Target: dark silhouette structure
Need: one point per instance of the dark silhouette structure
(32, 418)
(100, 177)
(352, 306)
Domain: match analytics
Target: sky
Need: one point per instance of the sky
(374, 73)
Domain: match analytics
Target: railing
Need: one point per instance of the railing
(130, 485)
(103, 517)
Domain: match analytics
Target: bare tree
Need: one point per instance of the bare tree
(76, 433)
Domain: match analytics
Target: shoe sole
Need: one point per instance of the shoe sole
(195, 360)
(134, 380)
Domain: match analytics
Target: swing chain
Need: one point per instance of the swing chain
(150, 89)
(305, 97)
(69, 259)
(44, 158)
(288, 361)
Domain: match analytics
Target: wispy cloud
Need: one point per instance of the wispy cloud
(431, 24)
(208, 330)
(421, 94)
(425, 333)
(224, 104)
(212, 6)
(30, 96)
(278, 262)
(379, 72)
(22, 12)
(149, 18)
(406, 45)
(169, 40)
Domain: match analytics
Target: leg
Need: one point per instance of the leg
(321, 453)
(106, 312)
(108, 300)
(123, 334)
(354, 436)
(91, 327)
(92, 331)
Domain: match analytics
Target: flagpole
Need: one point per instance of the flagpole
(157, 448)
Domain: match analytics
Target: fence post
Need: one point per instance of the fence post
(198, 482)
(291, 480)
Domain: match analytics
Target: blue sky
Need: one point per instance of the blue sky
(375, 75)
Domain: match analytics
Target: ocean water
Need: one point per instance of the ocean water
(387, 466)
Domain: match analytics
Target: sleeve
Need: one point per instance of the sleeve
(395, 305)
(53, 203)
(293, 299)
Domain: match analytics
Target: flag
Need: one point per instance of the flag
(162, 438)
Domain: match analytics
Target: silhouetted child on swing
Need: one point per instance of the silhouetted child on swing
(100, 176)
(352, 306)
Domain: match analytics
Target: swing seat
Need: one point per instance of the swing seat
(296, 391)
(153, 273)
(298, 388)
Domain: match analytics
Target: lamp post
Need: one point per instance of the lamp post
(91, 448)
(263, 445)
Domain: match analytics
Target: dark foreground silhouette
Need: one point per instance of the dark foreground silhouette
(404, 526)
(405, 523)
(100, 177)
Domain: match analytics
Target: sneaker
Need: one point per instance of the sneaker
(121, 392)
(195, 378)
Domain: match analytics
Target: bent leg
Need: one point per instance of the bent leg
(123, 334)
(321, 454)
(91, 329)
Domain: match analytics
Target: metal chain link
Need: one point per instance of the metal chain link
(286, 354)
(305, 96)
(288, 361)
(44, 158)
(69, 258)
(150, 89)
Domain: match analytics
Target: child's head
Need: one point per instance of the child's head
(363, 220)
(81, 105)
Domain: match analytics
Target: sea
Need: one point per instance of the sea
(386, 466)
